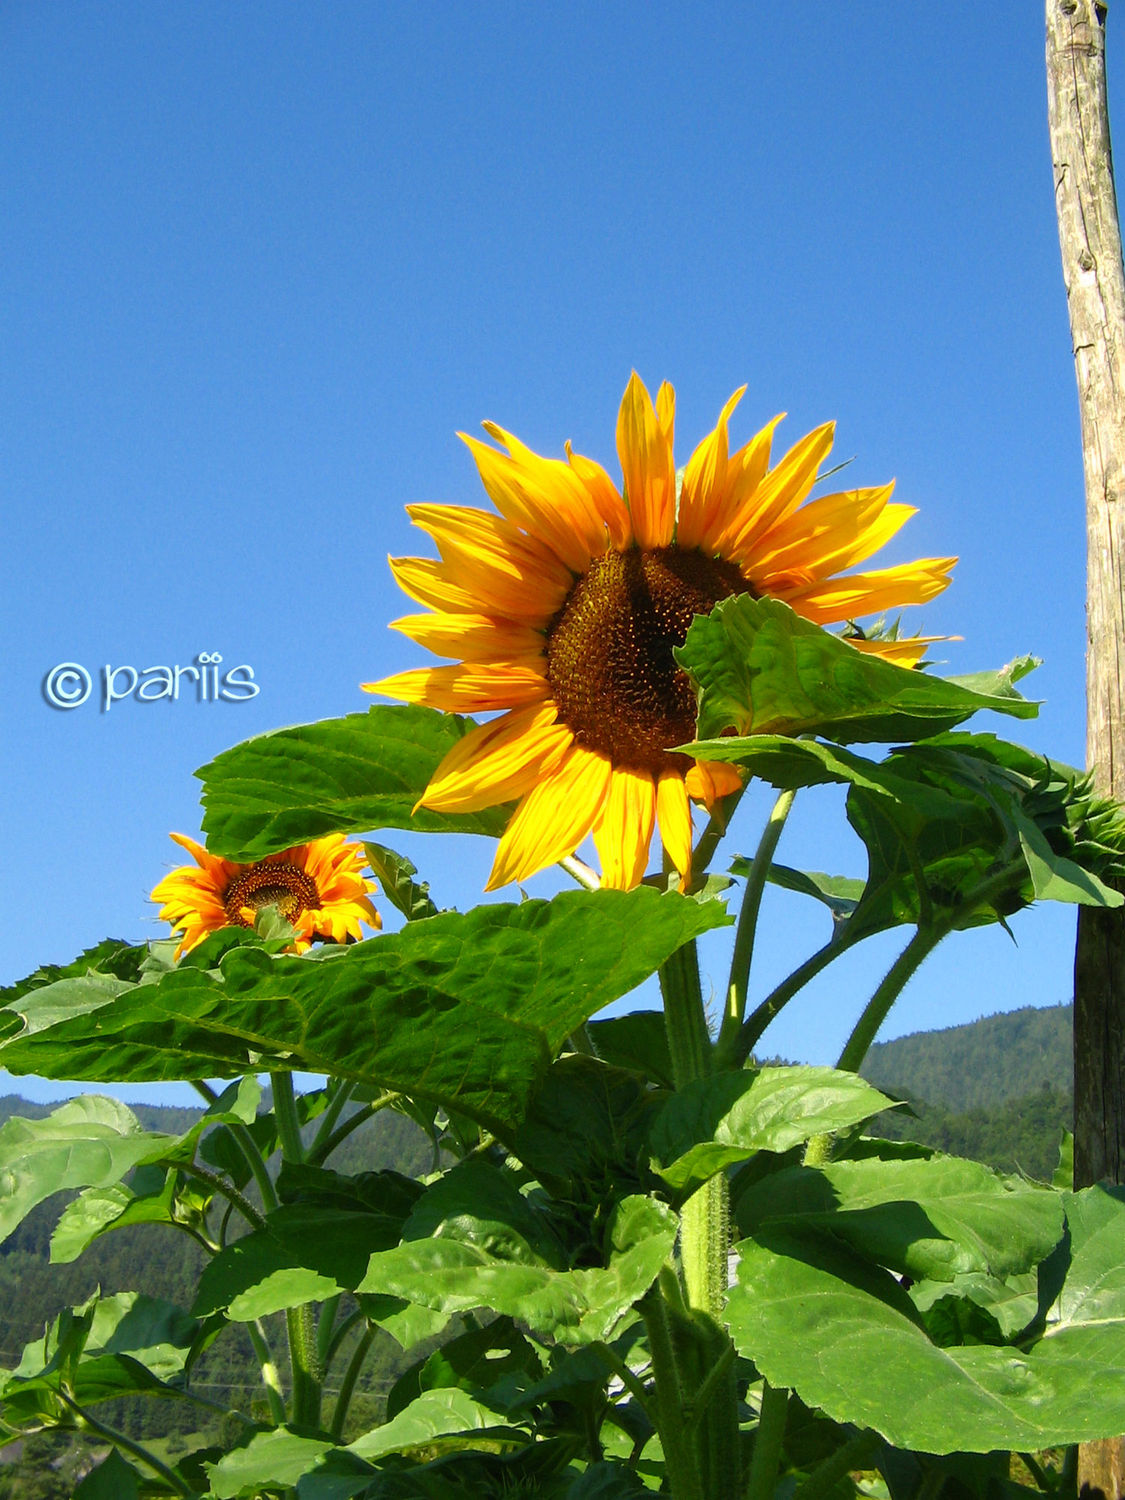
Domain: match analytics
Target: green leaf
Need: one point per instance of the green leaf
(585, 1135)
(840, 893)
(110, 1347)
(570, 1307)
(637, 1041)
(435, 1414)
(275, 1458)
(98, 1210)
(717, 1121)
(790, 764)
(1056, 878)
(112, 1479)
(350, 775)
(473, 1362)
(111, 956)
(482, 1205)
(465, 1009)
(938, 1218)
(87, 1142)
(395, 875)
(816, 1318)
(306, 1253)
(760, 667)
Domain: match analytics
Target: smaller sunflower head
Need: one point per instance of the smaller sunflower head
(319, 888)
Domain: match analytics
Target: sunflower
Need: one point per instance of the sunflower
(563, 611)
(319, 888)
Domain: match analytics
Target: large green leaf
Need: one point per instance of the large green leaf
(124, 1345)
(585, 1135)
(717, 1121)
(761, 668)
(466, 1009)
(819, 1319)
(307, 1252)
(960, 826)
(433, 1414)
(112, 1479)
(937, 1217)
(473, 1361)
(351, 775)
(570, 1307)
(280, 1457)
(87, 1142)
(277, 1457)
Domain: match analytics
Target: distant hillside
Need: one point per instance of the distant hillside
(979, 1066)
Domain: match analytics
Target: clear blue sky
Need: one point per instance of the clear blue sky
(262, 261)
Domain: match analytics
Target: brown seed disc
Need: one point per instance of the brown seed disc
(609, 651)
(285, 886)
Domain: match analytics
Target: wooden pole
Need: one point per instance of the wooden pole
(1090, 242)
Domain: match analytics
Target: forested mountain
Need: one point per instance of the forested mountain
(981, 1065)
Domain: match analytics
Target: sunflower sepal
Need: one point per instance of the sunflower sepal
(713, 887)
(759, 667)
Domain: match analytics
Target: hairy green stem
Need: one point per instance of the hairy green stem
(271, 1379)
(305, 1363)
(767, 1443)
(736, 1053)
(255, 1164)
(127, 1445)
(324, 1330)
(347, 1385)
(220, 1186)
(325, 1148)
(285, 1113)
(340, 1333)
(632, 1382)
(343, 1092)
(920, 946)
(704, 1245)
(682, 1474)
(917, 950)
(685, 1021)
(738, 983)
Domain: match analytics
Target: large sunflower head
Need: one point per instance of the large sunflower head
(563, 610)
(319, 888)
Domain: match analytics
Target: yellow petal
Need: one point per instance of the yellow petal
(606, 501)
(829, 534)
(553, 818)
(425, 580)
(705, 480)
(511, 574)
(648, 466)
(666, 412)
(828, 600)
(906, 652)
(673, 812)
(542, 495)
(709, 781)
(478, 638)
(464, 689)
(777, 495)
(623, 832)
(498, 762)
